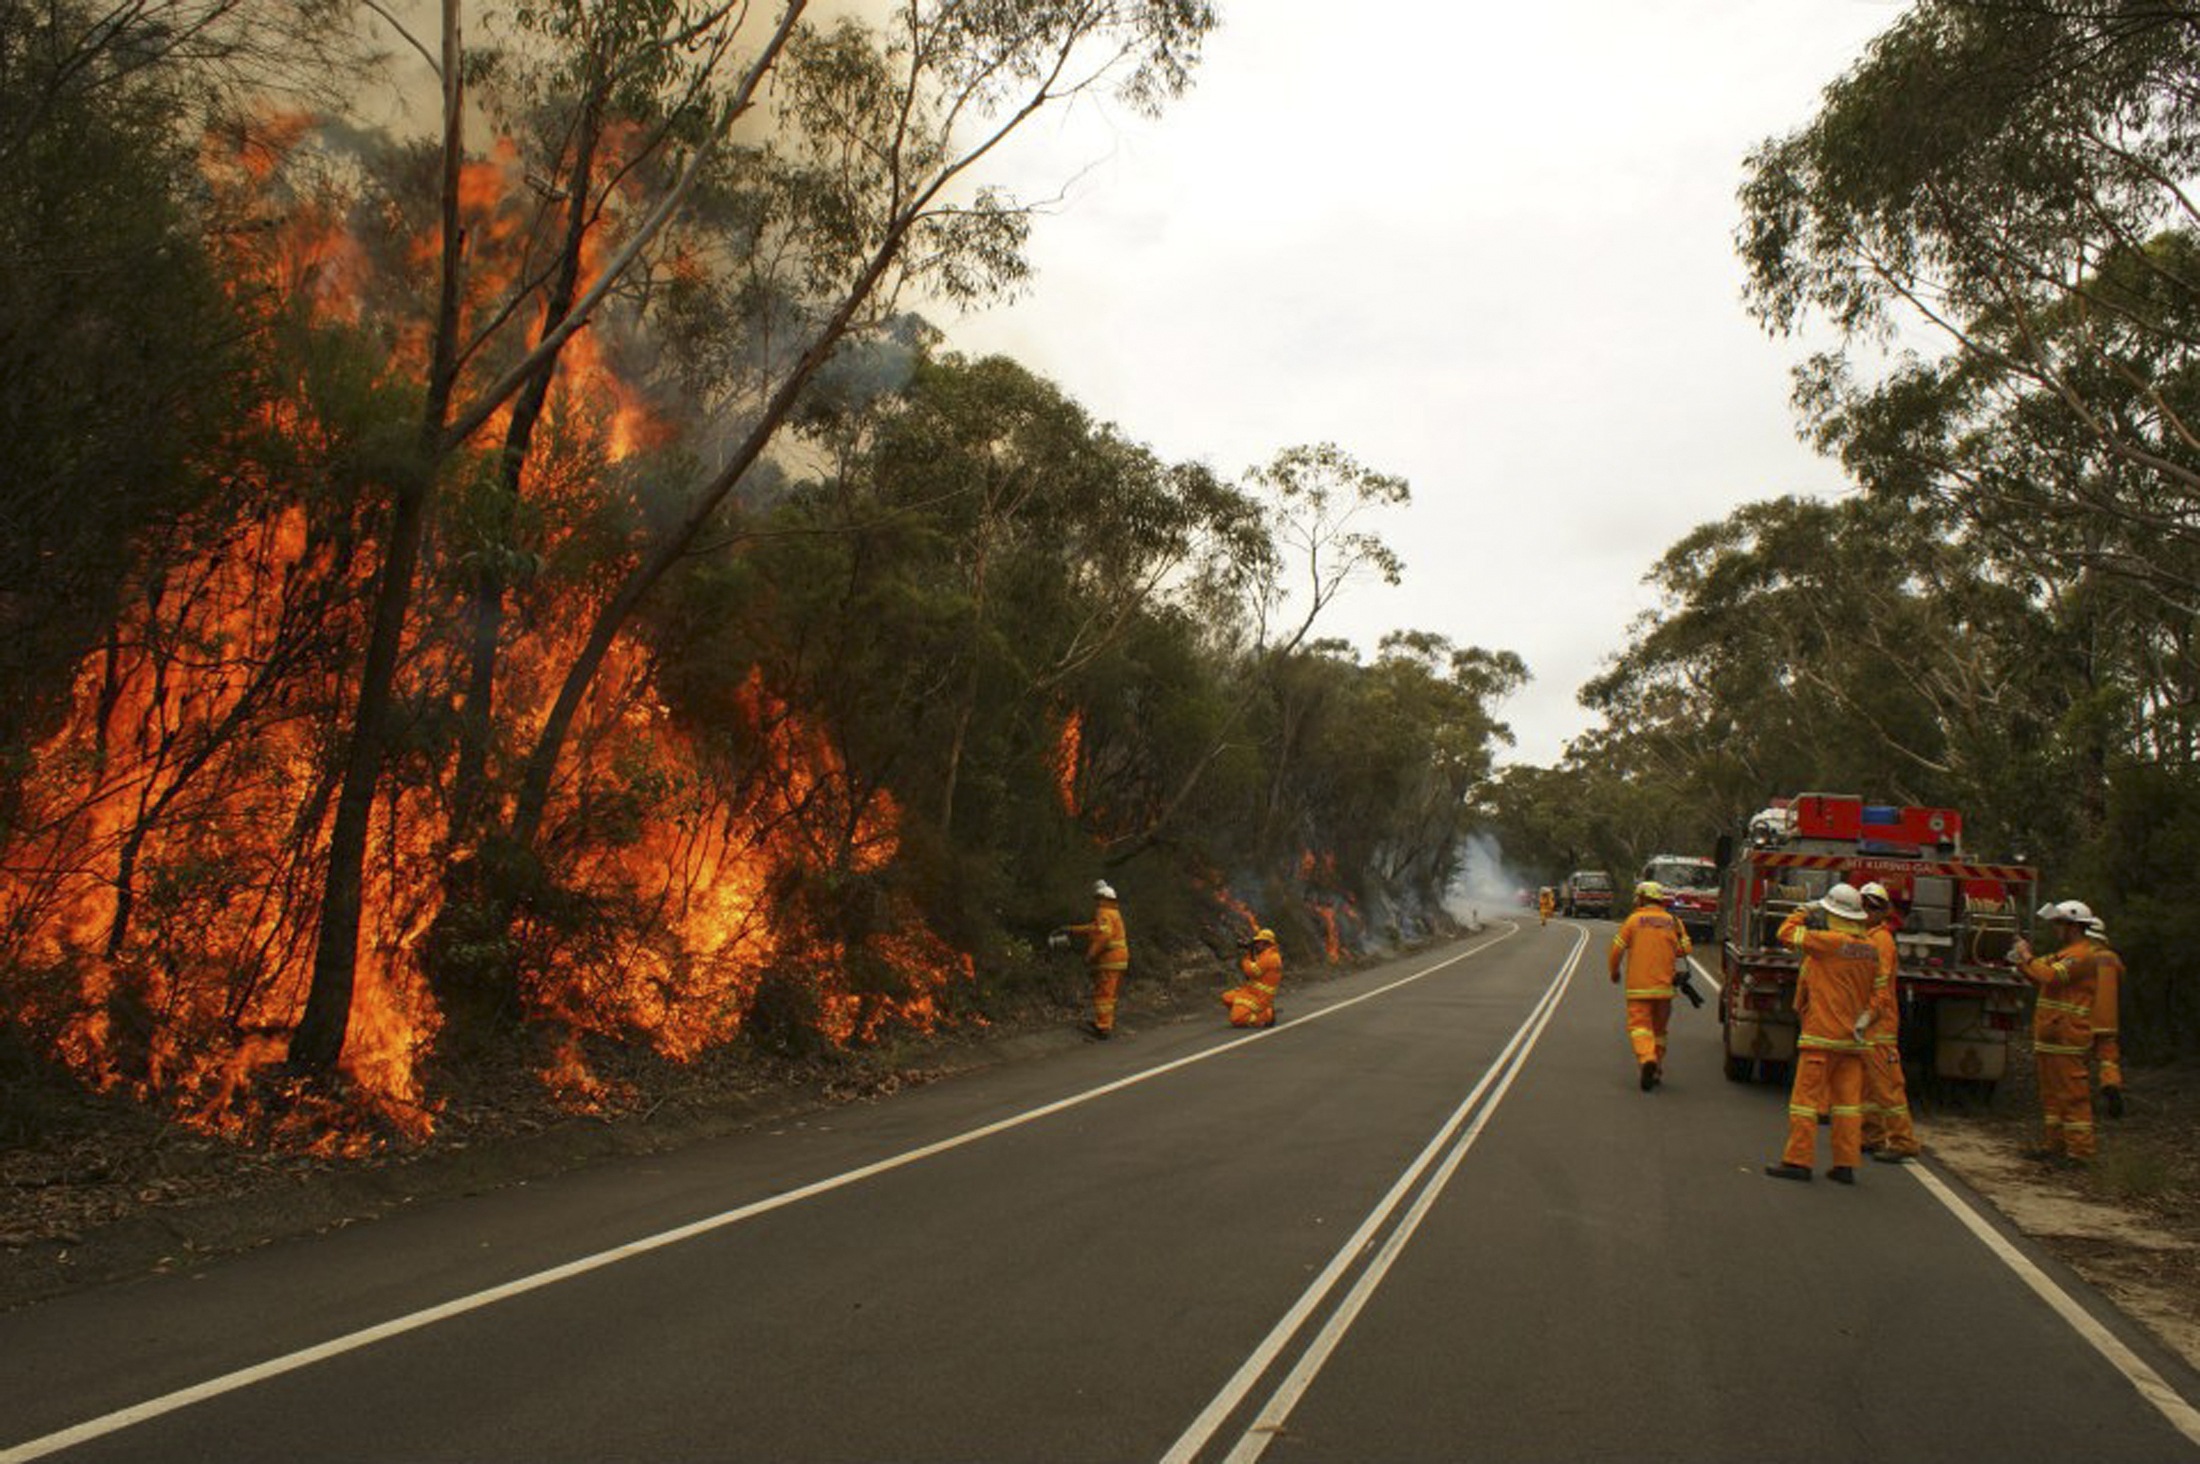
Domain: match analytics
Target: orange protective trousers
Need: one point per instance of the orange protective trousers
(1826, 1080)
(2066, 1103)
(1251, 1005)
(1107, 981)
(1646, 1020)
(1887, 1102)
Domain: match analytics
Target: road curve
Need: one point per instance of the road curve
(1430, 1216)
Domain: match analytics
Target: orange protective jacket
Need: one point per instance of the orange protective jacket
(2108, 971)
(1107, 944)
(1263, 969)
(2062, 1016)
(1545, 903)
(1887, 995)
(1842, 980)
(1653, 944)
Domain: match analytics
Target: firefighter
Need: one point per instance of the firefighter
(2062, 1031)
(1545, 903)
(1107, 957)
(1836, 997)
(1252, 1002)
(2109, 973)
(1889, 1136)
(1653, 944)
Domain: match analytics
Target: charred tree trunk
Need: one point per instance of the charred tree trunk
(476, 720)
(318, 1042)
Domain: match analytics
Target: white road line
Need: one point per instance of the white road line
(1241, 1383)
(2150, 1384)
(1263, 1430)
(1706, 975)
(275, 1367)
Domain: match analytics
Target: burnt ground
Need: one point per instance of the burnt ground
(2129, 1224)
(105, 1189)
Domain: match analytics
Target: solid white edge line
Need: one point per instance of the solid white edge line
(230, 1382)
(2150, 1384)
(1218, 1410)
(1706, 975)
(1262, 1431)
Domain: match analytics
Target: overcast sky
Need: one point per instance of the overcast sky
(1487, 248)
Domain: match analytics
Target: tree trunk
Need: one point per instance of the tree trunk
(476, 720)
(318, 1042)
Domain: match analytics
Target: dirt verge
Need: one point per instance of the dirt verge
(2130, 1222)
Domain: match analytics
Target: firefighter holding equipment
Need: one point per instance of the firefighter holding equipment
(2062, 1031)
(2109, 974)
(1889, 1135)
(1107, 956)
(1252, 1002)
(1836, 996)
(1653, 945)
(1545, 903)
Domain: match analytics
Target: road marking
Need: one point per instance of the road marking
(1241, 1383)
(2150, 1384)
(1706, 975)
(230, 1382)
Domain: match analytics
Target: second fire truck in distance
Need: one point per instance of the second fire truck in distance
(1960, 1000)
(1691, 884)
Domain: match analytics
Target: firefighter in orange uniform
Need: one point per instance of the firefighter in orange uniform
(2062, 1031)
(1889, 1135)
(1252, 1002)
(1653, 944)
(1107, 956)
(1545, 903)
(2109, 974)
(1837, 997)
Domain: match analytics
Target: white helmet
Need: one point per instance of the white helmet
(1649, 889)
(2097, 928)
(2069, 912)
(1874, 895)
(1101, 889)
(1843, 901)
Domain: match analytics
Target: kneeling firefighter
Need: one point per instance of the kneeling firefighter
(1252, 1002)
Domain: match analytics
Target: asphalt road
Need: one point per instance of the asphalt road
(1430, 1216)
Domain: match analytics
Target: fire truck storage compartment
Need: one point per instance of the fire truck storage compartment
(1968, 1046)
(1767, 1039)
(1829, 816)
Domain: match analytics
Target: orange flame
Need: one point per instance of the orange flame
(1068, 748)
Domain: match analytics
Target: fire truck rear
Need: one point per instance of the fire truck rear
(1960, 999)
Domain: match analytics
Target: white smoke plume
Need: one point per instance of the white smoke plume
(1486, 886)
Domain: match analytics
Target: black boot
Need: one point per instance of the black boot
(1649, 1076)
(1788, 1171)
(1841, 1174)
(2112, 1099)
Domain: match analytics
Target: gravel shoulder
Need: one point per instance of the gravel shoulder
(2130, 1223)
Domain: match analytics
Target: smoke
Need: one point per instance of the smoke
(1486, 885)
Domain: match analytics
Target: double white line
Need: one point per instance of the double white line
(1459, 1131)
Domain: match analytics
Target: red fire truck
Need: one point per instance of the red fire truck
(1960, 999)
